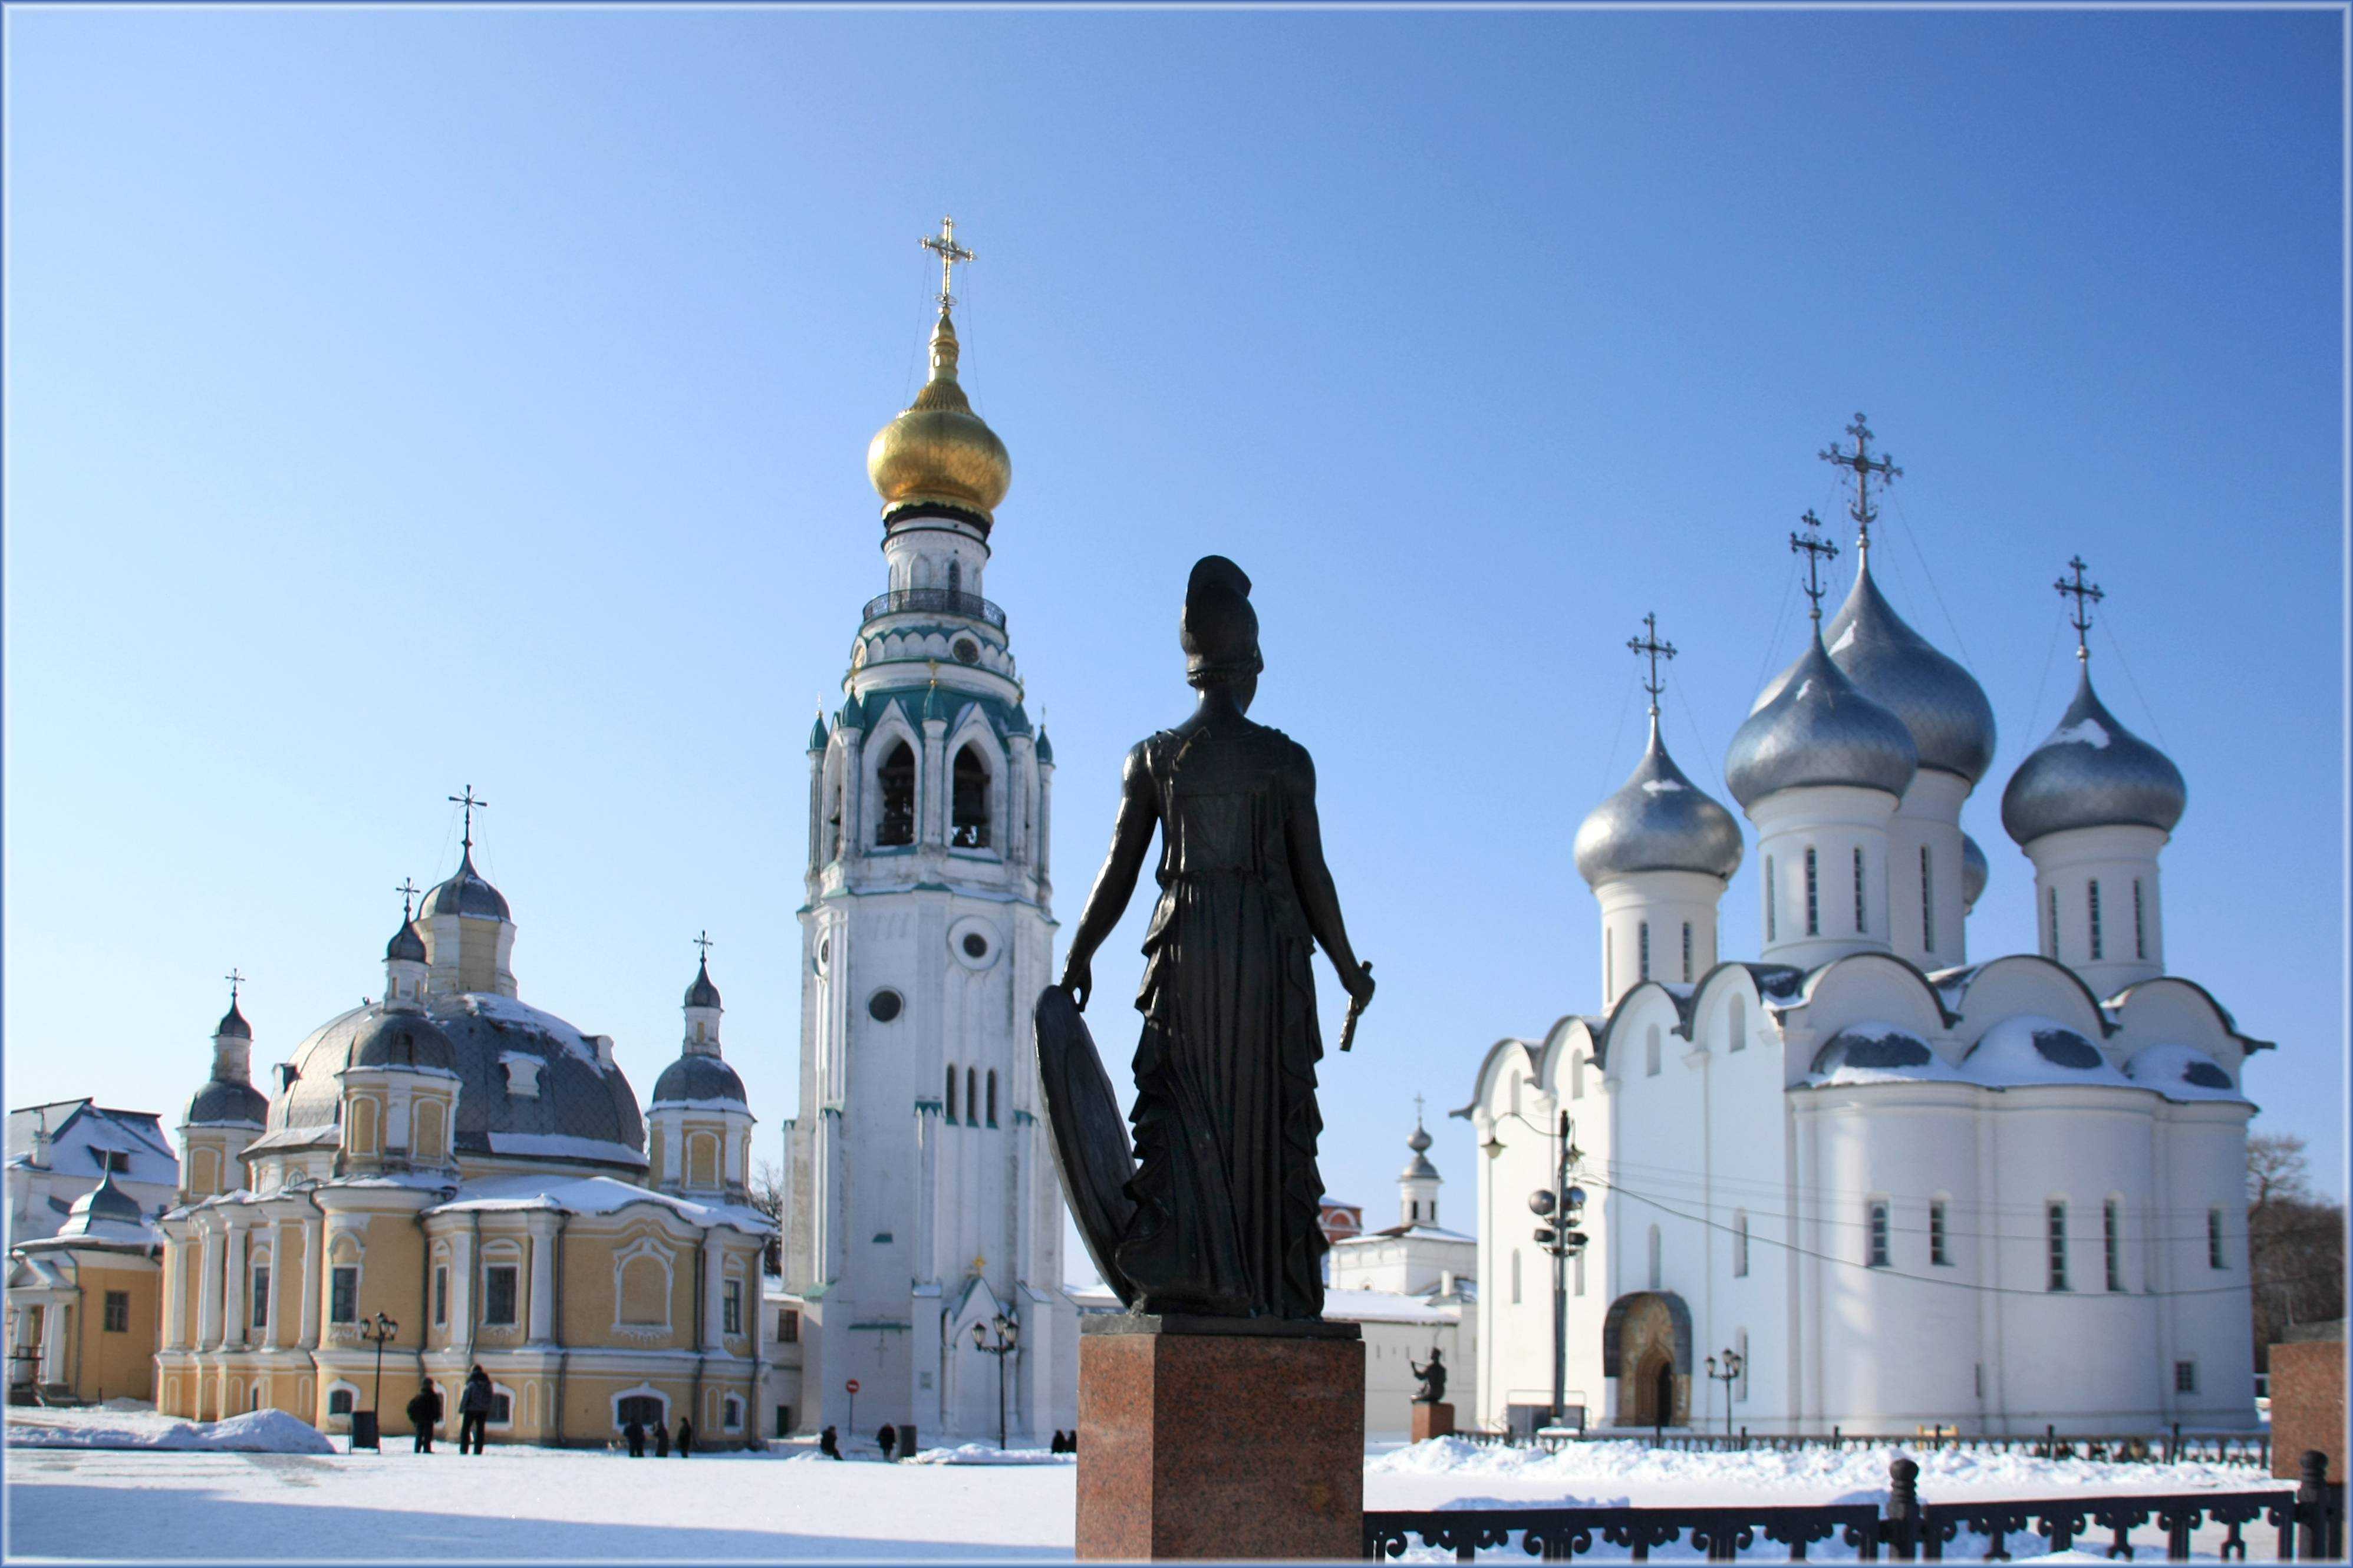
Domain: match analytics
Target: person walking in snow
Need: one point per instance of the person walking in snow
(474, 1409)
(685, 1439)
(889, 1438)
(633, 1433)
(425, 1414)
(662, 1441)
(828, 1443)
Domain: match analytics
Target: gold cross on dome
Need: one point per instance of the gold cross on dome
(1865, 468)
(2085, 595)
(1648, 646)
(950, 253)
(1816, 549)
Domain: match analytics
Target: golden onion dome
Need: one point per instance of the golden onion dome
(939, 451)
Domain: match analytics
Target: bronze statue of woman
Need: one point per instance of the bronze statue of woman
(1226, 1196)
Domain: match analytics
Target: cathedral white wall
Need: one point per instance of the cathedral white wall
(1929, 818)
(2119, 859)
(1833, 821)
(1668, 903)
(2199, 1157)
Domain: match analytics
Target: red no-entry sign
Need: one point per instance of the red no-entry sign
(852, 1385)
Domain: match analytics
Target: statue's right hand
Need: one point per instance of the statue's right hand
(1078, 980)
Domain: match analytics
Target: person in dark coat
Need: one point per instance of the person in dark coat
(425, 1414)
(662, 1441)
(474, 1409)
(685, 1438)
(633, 1433)
(828, 1443)
(889, 1438)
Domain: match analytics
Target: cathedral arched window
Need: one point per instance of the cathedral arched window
(1609, 960)
(2140, 923)
(1772, 920)
(896, 779)
(1813, 893)
(1859, 926)
(971, 1097)
(1576, 1076)
(992, 1096)
(2053, 904)
(2093, 909)
(1642, 940)
(1651, 1052)
(955, 576)
(1739, 1245)
(1739, 1023)
(1658, 1259)
(1515, 1276)
(951, 1082)
(1686, 952)
(969, 806)
(1927, 901)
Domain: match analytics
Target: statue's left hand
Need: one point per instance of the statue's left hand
(1360, 987)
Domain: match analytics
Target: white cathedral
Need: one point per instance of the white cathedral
(1862, 1180)
(923, 1202)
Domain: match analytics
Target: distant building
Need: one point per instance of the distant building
(1411, 1287)
(84, 1285)
(1903, 1185)
(478, 1172)
(1341, 1221)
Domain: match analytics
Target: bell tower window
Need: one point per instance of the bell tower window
(1644, 933)
(970, 806)
(896, 778)
(1813, 894)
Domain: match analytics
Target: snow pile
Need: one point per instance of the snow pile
(987, 1454)
(1608, 1472)
(124, 1424)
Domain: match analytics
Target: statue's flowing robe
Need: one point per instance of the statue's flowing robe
(1227, 1196)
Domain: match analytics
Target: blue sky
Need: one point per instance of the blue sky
(404, 399)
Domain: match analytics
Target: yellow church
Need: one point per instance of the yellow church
(468, 1179)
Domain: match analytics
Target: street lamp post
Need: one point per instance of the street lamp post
(1559, 1209)
(377, 1333)
(1733, 1363)
(1007, 1335)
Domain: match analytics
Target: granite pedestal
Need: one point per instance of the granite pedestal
(1219, 1438)
(1433, 1419)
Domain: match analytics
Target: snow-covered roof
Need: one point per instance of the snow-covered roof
(1387, 1307)
(1876, 1052)
(2027, 1048)
(1404, 1233)
(595, 1195)
(81, 1130)
(563, 1146)
(2180, 1072)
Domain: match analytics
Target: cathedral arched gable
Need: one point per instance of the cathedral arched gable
(1877, 987)
(1550, 1057)
(1494, 1071)
(1648, 1001)
(889, 730)
(2170, 1010)
(2024, 983)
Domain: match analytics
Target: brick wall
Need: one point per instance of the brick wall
(2308, 1383)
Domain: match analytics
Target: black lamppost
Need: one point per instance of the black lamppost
(1559, 1209)
(1733, 1364)
(1008, 1334)
(377, 1333)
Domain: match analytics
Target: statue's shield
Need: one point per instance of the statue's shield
(1091, 1145)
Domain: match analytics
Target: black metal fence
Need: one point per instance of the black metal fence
(2253, 1449)
(935, 601)
(2304, 1523)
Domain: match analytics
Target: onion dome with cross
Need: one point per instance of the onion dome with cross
(1658, 820)
(938, 452)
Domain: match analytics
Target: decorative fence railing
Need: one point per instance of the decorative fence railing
(2305, 1524)
(2253, 1449)
(935, 601)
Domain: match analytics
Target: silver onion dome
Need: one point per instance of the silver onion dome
(1973, 872)
(703, 992)
(465, 893)
(1419, 1168)
(405, 946)
(1818, 729)
(1941, 703)
(2092, 773)
(1658, 821)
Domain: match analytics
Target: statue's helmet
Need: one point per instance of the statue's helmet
(1218, 629)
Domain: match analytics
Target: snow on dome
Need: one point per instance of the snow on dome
(1877, 1053)
(1658, 821)
(2180, 1072)
(1939, 702)
(2031, 1050)
(2092, 773)
(1814, 726)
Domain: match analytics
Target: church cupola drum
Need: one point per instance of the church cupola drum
(921, 1195)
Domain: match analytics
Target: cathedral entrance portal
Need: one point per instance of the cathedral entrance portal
(1646, 1346)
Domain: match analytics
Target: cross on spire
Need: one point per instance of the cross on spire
(1417, 1110)
(408, 890)
(949, 252)
(1865, 468)
(235, 980)
(2085, 595)
(702, 941)
(1816, 549)
(470, 801)
(1647, 645)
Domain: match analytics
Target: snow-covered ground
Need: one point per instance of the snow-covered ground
(130, 1424)
(537, 1504)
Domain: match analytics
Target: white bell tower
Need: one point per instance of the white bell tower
(923, 1196)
